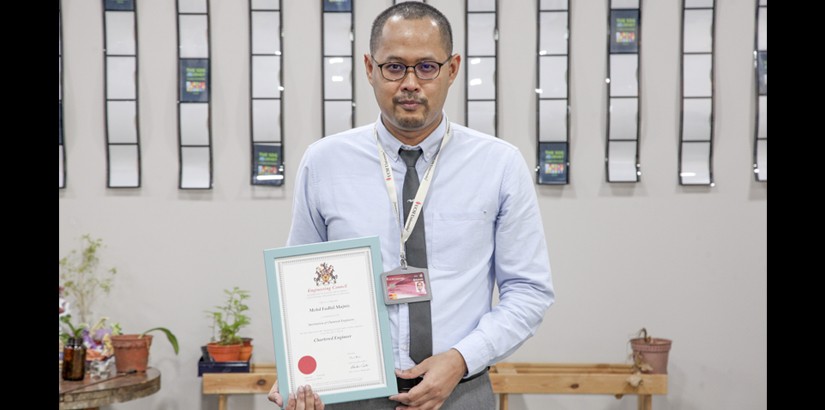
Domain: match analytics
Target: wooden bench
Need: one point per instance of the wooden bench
(559, 378)
(507, 378)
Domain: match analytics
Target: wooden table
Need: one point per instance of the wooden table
(507, 378)
(90, 394)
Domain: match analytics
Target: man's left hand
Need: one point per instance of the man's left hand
(441, 372)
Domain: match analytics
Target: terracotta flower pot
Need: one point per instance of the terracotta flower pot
(654, 353)
(131, 352)
(245, 353)
(224, 353)
(246, 349)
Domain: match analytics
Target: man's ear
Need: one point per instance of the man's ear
(368, 66)
(455, 63)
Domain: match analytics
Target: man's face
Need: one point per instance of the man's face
(411, 106)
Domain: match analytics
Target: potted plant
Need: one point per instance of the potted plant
(82, 280)
(650, 354)
(81, 277)
(132, 350)
(228, 319)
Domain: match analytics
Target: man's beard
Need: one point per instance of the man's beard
(412, 122)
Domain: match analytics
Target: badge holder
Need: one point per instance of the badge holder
(406, 285)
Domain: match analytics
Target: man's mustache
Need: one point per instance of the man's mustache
(408, 98)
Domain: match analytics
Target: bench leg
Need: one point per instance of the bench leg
(645, 402)
(222, 402)
(502, 402)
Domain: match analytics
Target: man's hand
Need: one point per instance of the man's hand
(304, 399)
(441, 372)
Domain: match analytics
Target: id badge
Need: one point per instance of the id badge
(406, 285)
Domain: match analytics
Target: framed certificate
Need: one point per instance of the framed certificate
(329, 321)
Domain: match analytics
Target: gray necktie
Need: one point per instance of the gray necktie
(421, 329)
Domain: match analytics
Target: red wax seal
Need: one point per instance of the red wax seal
(307, 364)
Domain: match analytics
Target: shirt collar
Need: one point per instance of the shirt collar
(429, 145)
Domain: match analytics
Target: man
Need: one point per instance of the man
(480, 223)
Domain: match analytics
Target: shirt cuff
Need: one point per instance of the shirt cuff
(476, 351)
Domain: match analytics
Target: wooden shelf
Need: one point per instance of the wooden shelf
(507, 378)
(260, 379)
(562, 378)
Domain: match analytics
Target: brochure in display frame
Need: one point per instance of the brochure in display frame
(338, 5)
(267, 164)
(552, 163)
(762, 72)
(624, 31)
(194, 80)
(329, 320)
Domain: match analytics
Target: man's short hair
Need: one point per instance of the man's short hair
(412, 10)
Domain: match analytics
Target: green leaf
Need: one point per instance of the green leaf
(169, 335)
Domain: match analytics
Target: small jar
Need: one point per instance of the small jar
(74, 360)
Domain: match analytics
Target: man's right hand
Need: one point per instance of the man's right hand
(304, 399)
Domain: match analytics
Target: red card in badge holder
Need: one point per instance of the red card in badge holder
(406, 285)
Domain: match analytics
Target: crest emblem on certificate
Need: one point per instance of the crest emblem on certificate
(325, 275)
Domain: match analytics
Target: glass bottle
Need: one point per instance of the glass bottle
(74, 360)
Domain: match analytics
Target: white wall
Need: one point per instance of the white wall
(689, 263)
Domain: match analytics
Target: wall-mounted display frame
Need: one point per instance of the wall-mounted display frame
(552, 92)
(481, 86)
(553, 163)
(623, 91)
(61, 149)
(121, 111)
(267, 164)
(760, 62)
(338, 65)
(266, 92)
(194, 90)
(697, 86)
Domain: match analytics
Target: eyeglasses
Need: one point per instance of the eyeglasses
(424, 70)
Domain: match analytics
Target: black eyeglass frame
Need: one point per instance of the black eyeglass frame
(407, 68)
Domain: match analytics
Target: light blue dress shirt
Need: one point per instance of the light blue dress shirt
(482, 223)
